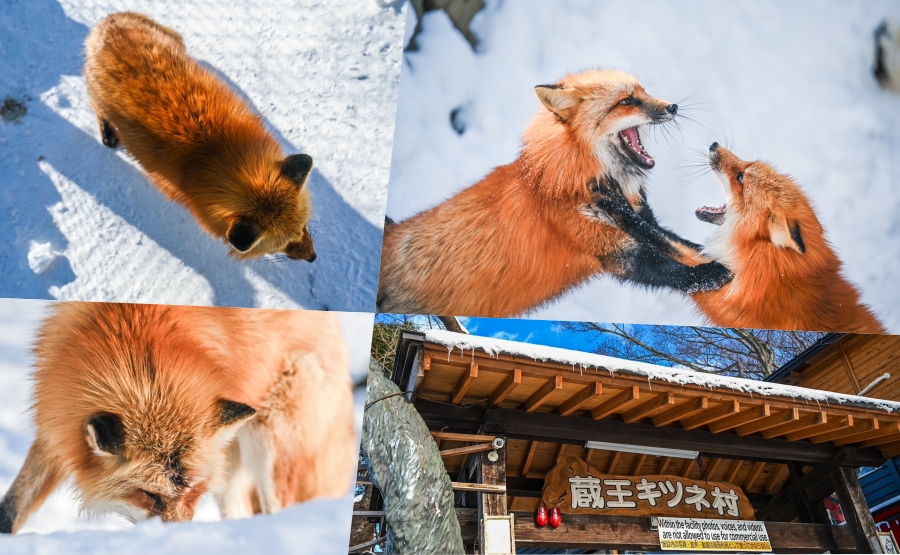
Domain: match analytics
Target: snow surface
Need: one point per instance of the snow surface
(790, 82)
(324, 75)
(593, 362)
(319, 526)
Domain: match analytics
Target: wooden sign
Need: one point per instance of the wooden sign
(573, 486)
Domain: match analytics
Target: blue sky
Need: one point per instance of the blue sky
(539, 332)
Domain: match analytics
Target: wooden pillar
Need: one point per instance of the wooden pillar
(856, 510)
(492, 472)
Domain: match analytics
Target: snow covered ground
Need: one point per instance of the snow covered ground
(81, 221)
(320, 526)
(790, 82)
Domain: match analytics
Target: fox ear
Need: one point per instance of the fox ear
(561, 101)
(106, 434)
(230, 417)
(232, 412)
(242, 234)
(786, 234)
(296, 167)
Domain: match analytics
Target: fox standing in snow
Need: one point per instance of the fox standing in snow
(148, 407)
(786, 275)
(198, 141)
(528, 232)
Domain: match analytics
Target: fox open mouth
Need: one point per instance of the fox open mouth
(715, 216)
(631, 139)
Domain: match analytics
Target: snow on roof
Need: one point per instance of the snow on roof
(593, 362)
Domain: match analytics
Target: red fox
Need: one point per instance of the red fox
(196, 139)
(527, 232)
(148, 407)
(786, 275)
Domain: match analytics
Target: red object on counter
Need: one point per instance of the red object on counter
(540, 517)
(555, 518)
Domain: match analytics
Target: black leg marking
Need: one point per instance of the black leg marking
(108, 134)
(647, 266)
(7, 513)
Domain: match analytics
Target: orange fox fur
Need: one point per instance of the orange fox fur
(520, 237)
(786, 274)
(148, 407)
(197, 140)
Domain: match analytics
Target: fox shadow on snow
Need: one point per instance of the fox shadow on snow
(343, 277)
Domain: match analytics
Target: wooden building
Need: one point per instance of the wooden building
(854, 363)
(505, 415)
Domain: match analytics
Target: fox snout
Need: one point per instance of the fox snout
(721, 159)
(662, 112)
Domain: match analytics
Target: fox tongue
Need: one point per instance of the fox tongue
(633, 142)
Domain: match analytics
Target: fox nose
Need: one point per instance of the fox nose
(713, 147)
(312, 258)
(672, 108)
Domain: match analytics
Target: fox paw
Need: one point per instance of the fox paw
(108, 134)
(710, 277)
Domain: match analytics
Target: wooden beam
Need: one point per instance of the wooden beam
(834, 423)
(484, 488)
(883, 440)
(712, 469)
(891, 450)
(857, 426)
(735, 469)
(493, 473)
(477, 448)
(688, 468)
(583, 397)
(464, 383)
(529, 458)
(612, 405)
(804, 423)
(662, 402)
(629, 533)
(541, 395)
(729, 408)
(855, 509)
(774, 476)
(884, 429)
(755, 472)
(766, 423)
(550, 427)
(638, 463)
(613, 461)
(749, 414)
(684, 410)
(512, 381)
(426, 363)
(664, 464)
(450, 436)
(851, 373)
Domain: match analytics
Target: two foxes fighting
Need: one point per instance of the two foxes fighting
(573, 205)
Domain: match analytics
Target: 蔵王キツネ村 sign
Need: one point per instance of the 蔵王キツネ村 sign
(573, 486)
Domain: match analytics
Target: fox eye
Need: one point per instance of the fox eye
(629, 101)
(155, 497)
(740, 177)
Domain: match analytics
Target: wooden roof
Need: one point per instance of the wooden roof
(847, 364)
(516, 382)
(475, 378)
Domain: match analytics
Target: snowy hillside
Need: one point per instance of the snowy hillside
(789, 82)
(320, 526)
(81, 221)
